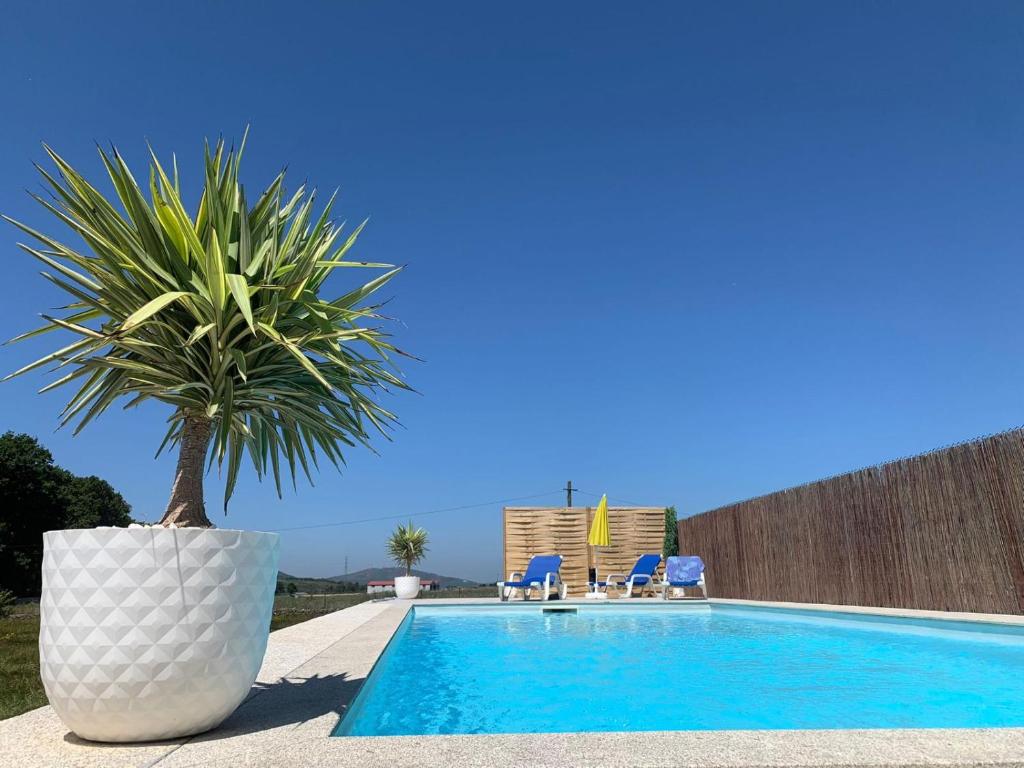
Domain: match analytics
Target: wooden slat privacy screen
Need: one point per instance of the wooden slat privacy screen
(563, 531)
(942, 531)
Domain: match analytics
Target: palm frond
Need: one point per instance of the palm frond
(407, 545)
(219, 314)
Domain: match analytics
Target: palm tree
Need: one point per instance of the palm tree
(218, 314)
(407, 545)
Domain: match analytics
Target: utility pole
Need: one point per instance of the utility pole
(346, 565)
(568, 493)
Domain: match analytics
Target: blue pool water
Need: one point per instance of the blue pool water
(517, 670)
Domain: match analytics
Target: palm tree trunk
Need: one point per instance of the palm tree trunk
(186, 507)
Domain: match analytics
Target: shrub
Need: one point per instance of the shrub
(671, 545)
(6, 601)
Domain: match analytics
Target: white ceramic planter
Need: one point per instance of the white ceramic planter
(407, 587)
(153, 633)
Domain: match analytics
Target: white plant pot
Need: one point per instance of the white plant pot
(153, 633)
(407, 587)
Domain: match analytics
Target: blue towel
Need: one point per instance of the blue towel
(684, 571)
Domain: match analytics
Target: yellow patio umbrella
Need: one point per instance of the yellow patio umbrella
(599, 536)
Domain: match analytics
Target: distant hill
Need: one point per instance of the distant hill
(382, 574)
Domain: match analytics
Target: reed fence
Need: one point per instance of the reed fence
(940, 531)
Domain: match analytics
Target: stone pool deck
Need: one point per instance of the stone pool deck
(313, 670)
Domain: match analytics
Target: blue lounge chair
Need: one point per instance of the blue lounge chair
(641, 576)
(681, 572)
(542, 574)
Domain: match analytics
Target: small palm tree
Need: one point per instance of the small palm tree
(218, 314)
(407, 545)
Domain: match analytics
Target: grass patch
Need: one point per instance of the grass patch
(20, 686)
(294, 610)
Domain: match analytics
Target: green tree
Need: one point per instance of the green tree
(91, 501)
(31, 504)
(671, 544)
(217, 314)
(36, 496)
(292, 589)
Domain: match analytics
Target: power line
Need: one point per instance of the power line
(414, 514)
(382, 517)
(612, 498)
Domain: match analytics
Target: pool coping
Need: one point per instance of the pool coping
(313, 671)
(861, 610)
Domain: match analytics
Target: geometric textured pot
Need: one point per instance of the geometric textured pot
(153, 633)
(407, 587)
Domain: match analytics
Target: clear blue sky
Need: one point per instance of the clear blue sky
(682, 253)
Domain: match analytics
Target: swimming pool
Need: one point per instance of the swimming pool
(516, 669)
